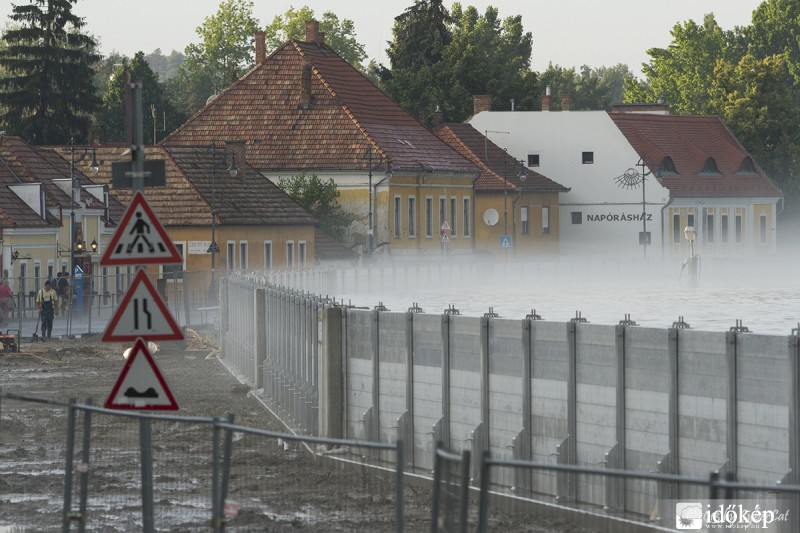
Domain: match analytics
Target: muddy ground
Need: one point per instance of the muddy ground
(276, 486)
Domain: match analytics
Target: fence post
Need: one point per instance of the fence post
(260, 341)
(84, 467)
(398, 484)
(331, 386)
(732, 445)
(70, 453)
(146, 449)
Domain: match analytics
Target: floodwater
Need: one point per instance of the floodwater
(764, 296)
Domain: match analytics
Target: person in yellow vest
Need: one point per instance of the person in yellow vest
(47, 303)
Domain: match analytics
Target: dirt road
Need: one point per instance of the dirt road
(276, 486)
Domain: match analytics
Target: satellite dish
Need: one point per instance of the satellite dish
(490, 217)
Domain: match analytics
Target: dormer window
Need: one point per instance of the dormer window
(667, 166)
(710, 167)
(747, 166)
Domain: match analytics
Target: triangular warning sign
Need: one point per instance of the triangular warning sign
(142, 313)
(140, 238)
(140, 385)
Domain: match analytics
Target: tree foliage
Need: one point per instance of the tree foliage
(223, 55)
(440, 59)
(158, 110)
(47, 92)
(340, 35)
(321, 198)
(589, 88)
(683, 72)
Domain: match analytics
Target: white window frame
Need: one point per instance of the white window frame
(453, 217)
(398, 216)
(267, 255)
(289, 255)
(763, 234)
(37, 274)
(301, 253)
(181, 247)
(466, 205)
(230, 259)
(676, 228)
(428, 217)
(244, 255)
(523, 219)
(411, 204)
(546, 219)
(724, 228)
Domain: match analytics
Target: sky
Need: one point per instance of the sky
(569, 33)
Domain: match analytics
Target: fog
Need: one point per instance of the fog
(763, 294)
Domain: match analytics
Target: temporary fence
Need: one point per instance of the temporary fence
(119, 470)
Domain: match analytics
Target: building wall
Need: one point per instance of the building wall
(597, 216)
(540, 237)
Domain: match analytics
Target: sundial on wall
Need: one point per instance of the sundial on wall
(631, 179)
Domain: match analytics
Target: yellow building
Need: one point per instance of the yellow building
(305, 110)
(516, 209)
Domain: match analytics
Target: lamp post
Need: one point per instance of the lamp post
(213, 249)
(75, 196)
(691, 234)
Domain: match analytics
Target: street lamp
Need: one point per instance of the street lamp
(75, 197)
(691, 234)
(213, 249)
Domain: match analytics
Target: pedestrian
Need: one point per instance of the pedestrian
(5, 302)
(62, 289)
(47, 303)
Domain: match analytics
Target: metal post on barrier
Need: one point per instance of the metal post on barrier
(217, 516)
(399, 454)
(70, 451)
(83, 468)
(146, 445)
(483, 497)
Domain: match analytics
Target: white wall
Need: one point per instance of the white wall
(610, 214)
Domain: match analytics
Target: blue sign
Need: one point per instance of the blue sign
(77, 289)
(506, 241)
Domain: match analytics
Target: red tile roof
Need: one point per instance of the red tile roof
(347, 114)
(494, 161)
(689, 141)
(187, 197)
(23, 163)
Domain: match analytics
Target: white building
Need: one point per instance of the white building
(676, 171)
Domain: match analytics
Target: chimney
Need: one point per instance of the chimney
(480, 103)
(261, 47)
(313, 35)
(438, 118)
(240, 149)
(547, 99)
(565, 102)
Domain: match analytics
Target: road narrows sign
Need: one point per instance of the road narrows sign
(142, 313)
(141, 385)
(140, 238)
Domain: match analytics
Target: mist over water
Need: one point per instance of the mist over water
(764, 294)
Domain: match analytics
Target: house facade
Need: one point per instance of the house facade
(303, 110)
(38, 206)
(256, 225)
(517, 209)
(638, 179)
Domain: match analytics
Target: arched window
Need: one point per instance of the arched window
(710, 167)
(747, 166)
(667, 166)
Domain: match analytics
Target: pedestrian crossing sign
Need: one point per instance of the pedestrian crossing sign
(140, 238)
(505, 241)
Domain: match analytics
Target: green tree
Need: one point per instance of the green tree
(340, 35)
(756, 103)
(776, 31)
(112, 117)
(47, 93)
(321, 198)
(487, 55)
(683, 72)
(589, 89)
(223, 55)
(165, 66)
(417, 77)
